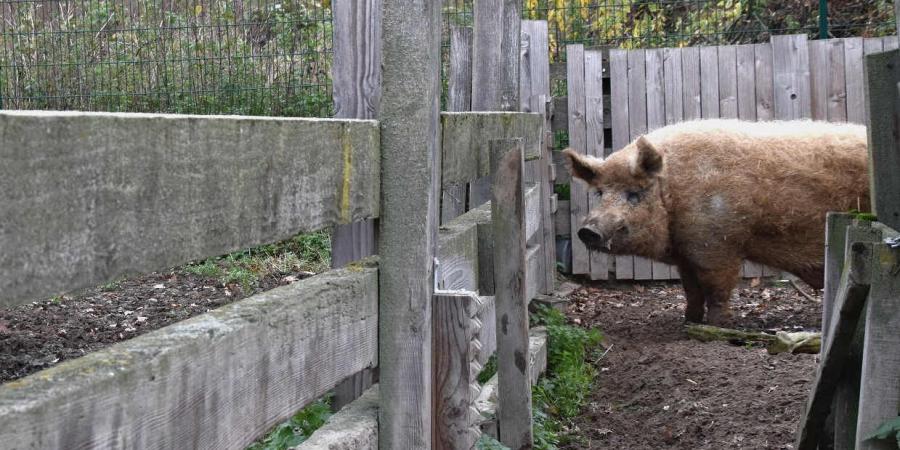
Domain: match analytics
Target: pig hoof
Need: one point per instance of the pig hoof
(719, 317)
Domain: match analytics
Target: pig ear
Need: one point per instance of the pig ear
(648, 161)
(580, 166)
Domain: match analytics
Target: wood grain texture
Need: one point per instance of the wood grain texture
(746, 82)
(818, 78)
(656, 118)
(508, 213)
(836, 89)
(709, 82)
(486, 55)
(790, 67)
(459, 93)
(890, 43)
(510, 47)
(581, 263)
(89, 197)
(465, 155)
(879, 393)
(458, 255)
(179, 387)
(594, 123)
(835, 248)
(618, 78)
(690, 66)
(853, 72)
(355, 427)
(765, 82)
(728, 95)
(487, 334)
(849, 304)
(674, 81)
(411, 160)
(882, 76)
(455, 369)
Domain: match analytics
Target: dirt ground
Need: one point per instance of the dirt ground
(36, 336)
(659, 389)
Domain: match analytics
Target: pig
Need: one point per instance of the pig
(706, 194)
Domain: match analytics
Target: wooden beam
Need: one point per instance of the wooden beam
(581, 262)
(882, 75)
(508, 213)
(411, 163)
(89, 197)
(355, 427)
(180, 386)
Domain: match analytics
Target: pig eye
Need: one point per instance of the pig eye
(633, 197)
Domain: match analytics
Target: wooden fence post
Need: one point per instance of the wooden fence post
(508, 215)
(356, 87)
(410, 168)
(882, 75)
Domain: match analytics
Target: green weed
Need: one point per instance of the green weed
(207, 268)
(296, 430)
(489, 370)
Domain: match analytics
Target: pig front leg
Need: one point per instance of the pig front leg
(692, 293)
(717, 285)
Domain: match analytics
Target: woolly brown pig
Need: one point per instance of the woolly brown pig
(704, 195)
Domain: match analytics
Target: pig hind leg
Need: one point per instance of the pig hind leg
(717, 285)
(814, 276)
(692, 292)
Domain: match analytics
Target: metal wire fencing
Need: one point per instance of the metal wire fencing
(254, 57)
(674, 23)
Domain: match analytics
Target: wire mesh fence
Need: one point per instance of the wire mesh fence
(249, 57)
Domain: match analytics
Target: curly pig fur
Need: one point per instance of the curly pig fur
(705, 195)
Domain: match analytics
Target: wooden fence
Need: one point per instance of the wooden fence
(92, 196)
(616, 95)
(858, 380)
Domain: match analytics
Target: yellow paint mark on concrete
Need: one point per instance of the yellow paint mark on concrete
(348, 172)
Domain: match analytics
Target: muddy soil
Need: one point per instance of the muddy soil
(658, 389)
(36, 336)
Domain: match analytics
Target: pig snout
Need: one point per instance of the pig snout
(599, 237)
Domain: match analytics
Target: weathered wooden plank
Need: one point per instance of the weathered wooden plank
(674, 89)
(872, 45)
(356, 92)
(818, 78)
(790, 67)
(465, 136)
(577, 141)
(656, 118)
(88, 197)
(836, 89)
(746, 82)
(593, 91)
(533, 268)
(765, 82)
(882, 75)
(690, 67)
(487, 58)
(487, 335)
(411, 161)
(508, 213)
(532, 210)
(510, 45)
(728, 95)
(355, 427)
(879, 393)
(458, 255)
(890, 43)
(455, 369)
(637, 124)
(709, 82)
(618, 78)
(835, 248)
(459, 92)
(853, 72)
(849, 303)
(177, 386)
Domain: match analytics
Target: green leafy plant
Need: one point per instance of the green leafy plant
(489, 370)
(486, 442)
(296, 430)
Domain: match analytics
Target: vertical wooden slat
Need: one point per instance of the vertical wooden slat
(578, 142)
(459, 98)
(709, 82)
(508, 217)
(765, 83)
(356, 92)
(593, 88)
(728, 108)
(837, 82)
(746, 110)
(674, 97)
(618, 78)
(510, 45)
(532, 169)
(410, 161)
(790, 66)
(818, 78)
(882, 75)
(539, 66)
(486, 56)
(656, 118)
(690, 69)
(455, 369)
(637, 124)
(853, 71)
